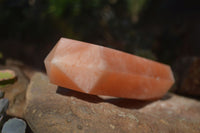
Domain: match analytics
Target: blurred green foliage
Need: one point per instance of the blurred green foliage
(145, 53)
(135, 7)
(113, 21)
(74, 7)
(1, 55)
(156, 29)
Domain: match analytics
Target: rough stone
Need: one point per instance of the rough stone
(1, 94)
(14, 125)
(27, 70)
(187, 73)
(52, 109)
(16, 92)
(3, 107)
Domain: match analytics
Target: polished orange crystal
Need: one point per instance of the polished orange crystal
(99, 70)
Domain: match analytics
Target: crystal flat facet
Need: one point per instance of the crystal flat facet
(99, 70)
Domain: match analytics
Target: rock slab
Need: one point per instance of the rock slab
(52, 109)
(16, 92)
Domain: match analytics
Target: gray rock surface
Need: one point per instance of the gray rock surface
(58, 110)
(3, 105)
(1, 94)
(14, 125)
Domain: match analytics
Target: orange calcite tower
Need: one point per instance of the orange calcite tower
(99, 70)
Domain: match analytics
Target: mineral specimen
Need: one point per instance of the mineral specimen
(99, 70)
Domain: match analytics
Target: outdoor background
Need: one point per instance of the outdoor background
(162, 30)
